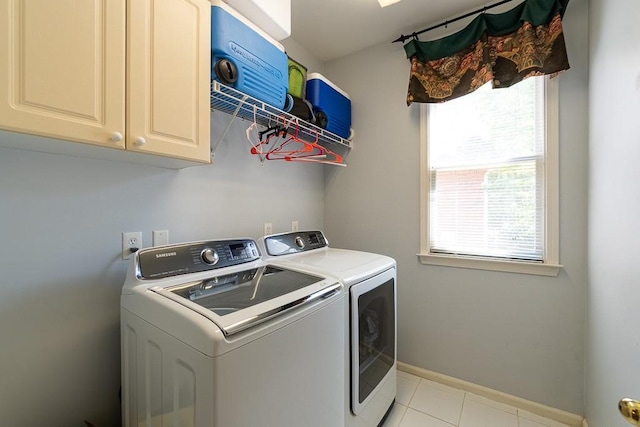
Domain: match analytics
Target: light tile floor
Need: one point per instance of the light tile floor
(424, 403)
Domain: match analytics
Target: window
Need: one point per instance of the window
(489, 181)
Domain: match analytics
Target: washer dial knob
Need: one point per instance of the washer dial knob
(209, 256)
(300, 242)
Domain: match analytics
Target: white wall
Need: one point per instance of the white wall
(60, 224)
(613, 368)
(519, 334)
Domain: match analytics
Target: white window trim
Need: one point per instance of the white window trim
(550, 266)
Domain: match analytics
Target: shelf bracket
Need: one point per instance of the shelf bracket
(233, 116)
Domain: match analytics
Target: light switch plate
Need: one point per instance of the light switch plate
(160, 237)
(268, 228)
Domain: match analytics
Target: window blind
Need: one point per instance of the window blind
(486, 163)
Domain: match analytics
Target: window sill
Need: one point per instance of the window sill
(539, 269)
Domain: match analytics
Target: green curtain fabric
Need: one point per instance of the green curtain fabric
(502, 48)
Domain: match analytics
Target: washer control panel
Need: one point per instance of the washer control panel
(294, 242)
(173, 260)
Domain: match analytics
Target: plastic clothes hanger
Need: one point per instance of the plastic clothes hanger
(321, 155)
(266, 137)
(304, 151)
(260, 139)
(254, 138)
(293, 146)
(263, 138)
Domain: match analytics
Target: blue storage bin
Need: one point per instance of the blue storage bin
(331, 105)
(245, 58)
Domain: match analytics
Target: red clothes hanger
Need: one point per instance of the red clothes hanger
(283, 142)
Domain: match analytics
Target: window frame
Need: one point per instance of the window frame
(550, 265)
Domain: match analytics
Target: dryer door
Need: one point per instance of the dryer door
(373, 336)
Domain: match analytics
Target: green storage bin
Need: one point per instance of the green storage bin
(297, 79)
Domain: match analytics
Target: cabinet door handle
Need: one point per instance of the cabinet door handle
(139, 141)
(116, 137)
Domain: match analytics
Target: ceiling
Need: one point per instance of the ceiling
(331, 29)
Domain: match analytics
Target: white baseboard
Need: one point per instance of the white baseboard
(498, 396)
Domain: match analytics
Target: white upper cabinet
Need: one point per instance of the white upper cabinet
(169, 77)
(125, 74)
(62, 69)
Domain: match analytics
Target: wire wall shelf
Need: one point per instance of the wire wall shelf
(238, 104)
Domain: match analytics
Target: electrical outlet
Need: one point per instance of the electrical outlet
(268, 228)
(160, 237)
(294, 225)
(131, 243)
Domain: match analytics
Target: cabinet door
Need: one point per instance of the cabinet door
(62, 69)
(168, 77)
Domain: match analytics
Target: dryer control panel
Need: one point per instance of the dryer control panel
(173, 260)
(294, 242)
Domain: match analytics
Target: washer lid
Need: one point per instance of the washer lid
(239, 300)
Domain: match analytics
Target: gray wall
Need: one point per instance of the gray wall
(60, 224)
(519, 334)
(614, 292)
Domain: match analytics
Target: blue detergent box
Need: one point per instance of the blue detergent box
(246, 58)
(331, 105)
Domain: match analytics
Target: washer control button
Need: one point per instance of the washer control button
(300, 242)
(209, 256)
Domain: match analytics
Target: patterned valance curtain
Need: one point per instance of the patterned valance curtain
(503, 48)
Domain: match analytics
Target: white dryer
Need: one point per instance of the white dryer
(370, 282)
(213, 336)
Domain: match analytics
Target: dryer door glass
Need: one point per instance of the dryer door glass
(376, 337)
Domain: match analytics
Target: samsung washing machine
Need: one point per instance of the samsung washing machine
(214, 336)
(369, 282)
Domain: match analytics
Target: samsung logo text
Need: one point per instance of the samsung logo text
(166, 254)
